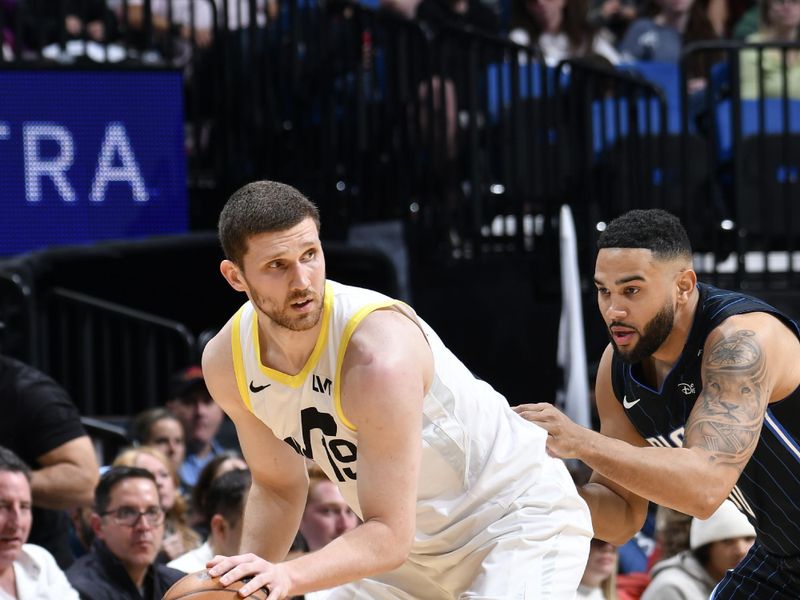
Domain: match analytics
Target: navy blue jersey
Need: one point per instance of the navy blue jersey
(768, 490)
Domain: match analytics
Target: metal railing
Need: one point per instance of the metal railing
(749, 112)
(112, 359)
(473, 142)
(18, 326)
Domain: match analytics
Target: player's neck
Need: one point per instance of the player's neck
(286, 350)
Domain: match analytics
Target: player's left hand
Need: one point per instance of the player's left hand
(264, 574)
(565, 438)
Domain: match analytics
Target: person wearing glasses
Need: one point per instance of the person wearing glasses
(128, 523)
(27, 571)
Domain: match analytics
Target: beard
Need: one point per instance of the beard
(282, 317)
(651, 338)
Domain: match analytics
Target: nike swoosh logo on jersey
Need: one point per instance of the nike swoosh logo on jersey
(257, 388)
(627, 404)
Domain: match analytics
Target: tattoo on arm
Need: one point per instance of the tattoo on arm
(727, 418)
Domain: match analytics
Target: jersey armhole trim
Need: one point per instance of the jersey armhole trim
(238, 359)
(354, 321)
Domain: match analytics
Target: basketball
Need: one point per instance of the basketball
(201, 586)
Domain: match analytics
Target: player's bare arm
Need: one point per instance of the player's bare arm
(742, 372)
(275, 503)
(667, 476)
(385, 373)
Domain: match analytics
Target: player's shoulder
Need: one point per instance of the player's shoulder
(218, 348)
(387, 345)
(760, 327)
(386, 333)
(217, 361)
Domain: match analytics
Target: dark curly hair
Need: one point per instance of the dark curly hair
(653, 229)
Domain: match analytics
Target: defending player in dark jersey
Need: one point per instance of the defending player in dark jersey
(697, 396)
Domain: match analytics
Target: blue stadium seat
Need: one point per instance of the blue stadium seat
(666, 75)
(498, 85)
(750, 124)
(611, 120)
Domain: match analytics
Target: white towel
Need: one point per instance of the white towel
(573, 399)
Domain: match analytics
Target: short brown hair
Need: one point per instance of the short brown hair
(261, 207)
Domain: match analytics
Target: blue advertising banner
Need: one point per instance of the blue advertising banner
(90, 155)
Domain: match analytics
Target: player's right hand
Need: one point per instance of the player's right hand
(565, 439)
(264, 574)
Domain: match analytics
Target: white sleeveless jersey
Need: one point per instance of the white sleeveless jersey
(478, 456)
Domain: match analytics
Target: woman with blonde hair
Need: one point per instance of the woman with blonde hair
(599, 581)
(179, 537)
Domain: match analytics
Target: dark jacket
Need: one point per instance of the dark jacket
(100, 575)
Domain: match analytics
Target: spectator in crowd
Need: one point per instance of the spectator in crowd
(717, 544)
(42, 426)
(169, 21)
(229, 460)
(780, 22)
(405, 9)
(672, 533)
(8, 13)
(559, 29)
(599, 580)
(748, 22)
(460, 13)
(635, 554)
(201, 418)
(224, 512)
(727, 15)
(326, 515)
(661, 34)
(27, 571)
(48, 23)
(129, 526)
(186, 23)
(159, 428)
(81, 532)
(613, 15)
(444, 89)
(179, 537)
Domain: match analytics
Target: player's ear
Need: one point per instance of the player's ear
(686, 283)
(232, 275)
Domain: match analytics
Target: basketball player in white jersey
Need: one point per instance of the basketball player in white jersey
(457, 495)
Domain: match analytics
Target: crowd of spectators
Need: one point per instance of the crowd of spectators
(130, 529)
(618, 30)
